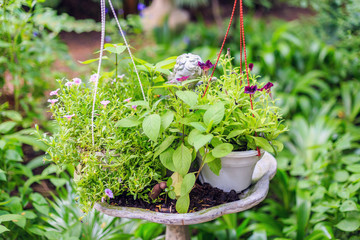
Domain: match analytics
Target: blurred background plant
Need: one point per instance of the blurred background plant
(313, 60)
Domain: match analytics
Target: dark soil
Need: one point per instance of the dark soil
(201, 197)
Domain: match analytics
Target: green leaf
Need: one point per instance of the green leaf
(151, 126)
(114, 48)
(167, 119)
(176, 183)
(11, 154)
(128, 122)
(182, 159)
(279, 145)
(4, 44)
(3, 229)
(209, 158)
(167, 63)
(138, 103)
(199, 126)
(222, 150)
(58, 182)
(348, 224)
(348, 206)
(93, 60)
(215, 166)
(341, 175)
(201, 140)
(164, 145)
(187, 184)
(214, 114)
(192, 136)
(7, 127)
(188, 97)
(235, 133)
(13, 115)
(166, 158)
(2, 175)
(263, 143)
(10, 217)
(182, 204)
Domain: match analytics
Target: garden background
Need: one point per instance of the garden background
(309, 49)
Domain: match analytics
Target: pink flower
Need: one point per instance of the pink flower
(53, 93)
(134, 107)
(105, 103)
(52, 101)
(69, 116)
(69, 84)
(94, 78)
(77, 81)
(109, 193)
(121, 76)
(182, 78)
(127, 100)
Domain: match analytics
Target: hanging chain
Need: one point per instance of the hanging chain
(222, 46)
(102, 8)
(242, 42)
(128, 48)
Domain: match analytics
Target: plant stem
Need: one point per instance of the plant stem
(202, 164)
(116, 65)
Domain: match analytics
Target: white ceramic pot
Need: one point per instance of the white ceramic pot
(236, 171)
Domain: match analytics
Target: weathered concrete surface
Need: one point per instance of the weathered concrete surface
(177, 232)
(264, 171)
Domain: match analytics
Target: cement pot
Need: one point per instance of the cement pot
(236, 171)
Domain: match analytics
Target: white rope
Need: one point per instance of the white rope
(102, 6)
(128, 48)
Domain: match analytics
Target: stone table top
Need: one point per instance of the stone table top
(265, 170)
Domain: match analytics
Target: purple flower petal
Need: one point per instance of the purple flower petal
(205, 66)
(251, 66)
(183, 78)
(141, 7)
(250, 89)
(109, 193)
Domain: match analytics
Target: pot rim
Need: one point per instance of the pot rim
(247, 153)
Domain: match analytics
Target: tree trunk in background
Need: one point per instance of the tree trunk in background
(130, 7)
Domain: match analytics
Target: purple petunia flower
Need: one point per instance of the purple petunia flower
(53, 93)
(106, 10)
(205, 66)
(134, 107)
(35, 34)
(77, 81)
(251, 66)
(184, 78)
(107, 39)
(105, 103)
(127, 100)
(69, 84)
(69, 116)
(94, 78)
(250, 89)
(267, 87)
(141, 7)
(109, 193)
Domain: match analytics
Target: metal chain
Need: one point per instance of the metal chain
(128, 48)
(102, 7)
